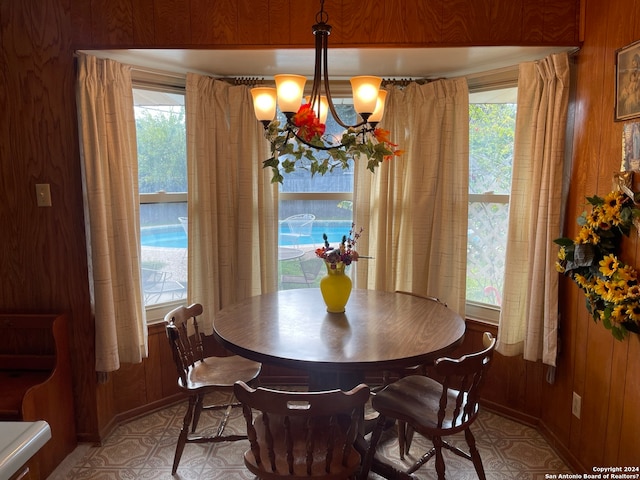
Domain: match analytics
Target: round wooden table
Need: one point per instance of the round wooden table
(379, 331)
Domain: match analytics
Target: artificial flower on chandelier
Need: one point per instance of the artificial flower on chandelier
(306, 148)
(611, 288)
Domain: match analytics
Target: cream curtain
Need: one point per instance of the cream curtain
(232, 203)
(110, 174)
(529, 316)
(414, 208)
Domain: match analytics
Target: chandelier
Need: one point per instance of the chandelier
(302, 137)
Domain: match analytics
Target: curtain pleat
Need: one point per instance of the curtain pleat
(110, 184)
(415, 207)
(529, 315)
(232, 203)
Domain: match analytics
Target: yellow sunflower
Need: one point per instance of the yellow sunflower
(633, 311)
(608, 265)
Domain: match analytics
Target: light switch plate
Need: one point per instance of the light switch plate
(43, 194)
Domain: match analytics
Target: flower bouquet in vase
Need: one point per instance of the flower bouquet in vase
(336, 285)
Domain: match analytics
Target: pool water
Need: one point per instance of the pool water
(174, 236)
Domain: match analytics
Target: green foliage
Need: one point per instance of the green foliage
(162, 150)
(491, 137)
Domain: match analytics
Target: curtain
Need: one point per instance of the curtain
(232, 210)
(414, 209)
(110, 183)
(529, 316)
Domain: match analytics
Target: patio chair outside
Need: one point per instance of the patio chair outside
(299, 228)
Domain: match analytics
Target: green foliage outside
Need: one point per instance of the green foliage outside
(162, 149)
(491, 128)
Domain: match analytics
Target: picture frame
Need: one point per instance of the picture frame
(631, 147)
(627, 82)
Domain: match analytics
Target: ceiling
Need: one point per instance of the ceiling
(342, 62)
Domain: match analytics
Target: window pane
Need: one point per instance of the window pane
(163, 240)
(162, 167)
(300, 236)
(486, 250)
(491, 136)
(162, 150)
(336, 181)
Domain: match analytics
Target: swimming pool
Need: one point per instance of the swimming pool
(174, 236)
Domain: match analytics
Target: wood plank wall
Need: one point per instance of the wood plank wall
(43, 254)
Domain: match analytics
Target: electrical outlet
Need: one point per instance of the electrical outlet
(576, 405)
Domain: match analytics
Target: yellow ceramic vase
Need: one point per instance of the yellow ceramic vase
(336, 288)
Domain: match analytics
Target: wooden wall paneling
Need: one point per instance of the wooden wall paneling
(413, 22)
(278, 18)
(535, 380)
(143, 22)
(111, 22)
(556, 415)
(465, 23)
(620, 31)
(628, 448)
(600, 344)
(129, 386)
(153, 365)
(302, 15)
(506, 18)
(596, 395)
(82, 25)
(214, 23)
(105, 411)
(172, 22)
(253, 22)
(618, 377)
(560, 21)
(533, 20)
(365, 23)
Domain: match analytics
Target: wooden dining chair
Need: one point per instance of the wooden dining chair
(199, 375)
(437, 409)
(296, 435)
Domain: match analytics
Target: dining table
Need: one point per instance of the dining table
(378, 331)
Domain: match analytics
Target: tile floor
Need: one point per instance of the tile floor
(143, 449)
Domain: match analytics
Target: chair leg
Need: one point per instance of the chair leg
(475, 455)
(367, 461)
(437, 443)
(408, 438)
(184, 433)
(402, 436)
(197, 412)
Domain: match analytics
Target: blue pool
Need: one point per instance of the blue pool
(174, 236)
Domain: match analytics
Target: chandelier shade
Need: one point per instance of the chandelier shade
(264, 103)
(290, 89)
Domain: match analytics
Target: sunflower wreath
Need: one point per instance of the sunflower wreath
(591, 260)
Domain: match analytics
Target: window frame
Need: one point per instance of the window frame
(489, 83)
(143, 79)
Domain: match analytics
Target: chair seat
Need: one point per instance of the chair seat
(417, 393)
(218, 372)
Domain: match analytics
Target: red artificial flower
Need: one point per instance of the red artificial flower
(308, 124)
(382, 136)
